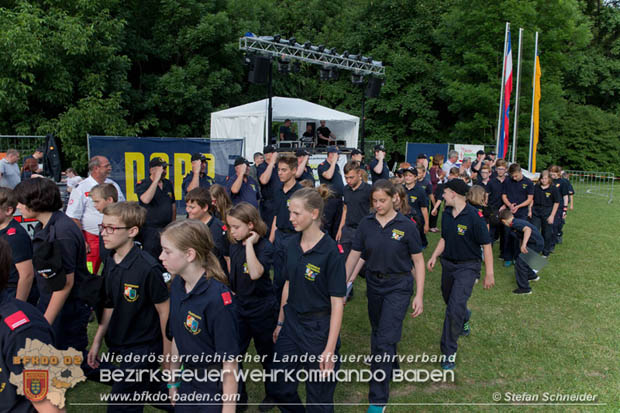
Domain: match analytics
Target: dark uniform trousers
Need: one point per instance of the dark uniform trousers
(388, 300)
(546, 230)
(281, 245)
(558, 226)
(142, 386)
(498, 231)
(346, 239)
(257, 321)
(523, 272)
(194, 387)
(433, 218)
(267, 211)
(457, 283)
(332, 214)
(303, 335)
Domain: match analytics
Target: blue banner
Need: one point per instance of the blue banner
(130, 156)
(430, 149)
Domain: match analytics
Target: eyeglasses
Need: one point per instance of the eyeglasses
(109, 229)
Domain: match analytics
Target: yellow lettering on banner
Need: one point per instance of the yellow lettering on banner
(182, 166)
(210, 164)
(132, 158)
(165, 157)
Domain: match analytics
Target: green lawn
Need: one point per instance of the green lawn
(564, 338)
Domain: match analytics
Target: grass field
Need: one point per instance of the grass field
(564, 338)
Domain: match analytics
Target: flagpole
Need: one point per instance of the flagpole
(530, 157)
(501, 94)
(515, 127)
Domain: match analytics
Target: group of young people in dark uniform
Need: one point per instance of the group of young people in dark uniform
(202, 286)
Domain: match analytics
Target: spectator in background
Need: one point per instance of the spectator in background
(240, 186)
(437, 174)
(38, 155)
(286, 134)
(73, 179)
(30, 168)
(259, 158)
(465, 167)
(477, 164)
(453, 157)
(378, 166)
(198, 177)
(9, 170)
(83, 212)
(324, 135)
(308, 137)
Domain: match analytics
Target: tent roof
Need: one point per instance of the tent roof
(286, 108)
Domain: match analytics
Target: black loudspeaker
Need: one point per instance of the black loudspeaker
(374, 87)
(259, 72)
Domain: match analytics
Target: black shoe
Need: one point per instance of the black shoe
(267, 404)
(522, 291)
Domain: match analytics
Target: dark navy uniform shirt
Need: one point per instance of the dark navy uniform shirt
(357, 202)
(247, 193)
(417, 199)
(281, 204)
(387, 250)
(251, 291)
(495, 188)
(204, 321)
(544, 200)
(314, 276)
(463, 234)
(308, 174)
(73, 249)
(426, 186)
(21, 247)
(517, 193)
(562, 186)
(159, 210)
(132, 288)
(385, 173)
(204, 181)
(18, 322)
(335, 184)
(220, 239)
(535, 241)
(268, 191)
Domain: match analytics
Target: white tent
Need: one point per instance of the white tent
(249, 121)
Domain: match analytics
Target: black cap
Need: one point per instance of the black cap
(333, 149)
(301, 152)
(411, 169)
(241, 160)
(269, 149)
(157, 162)
(492, 153)
(356, 152)
(400, 171)
(379, 148)
(422, 156)
(458, 185)
(198, 157)
(480, 152)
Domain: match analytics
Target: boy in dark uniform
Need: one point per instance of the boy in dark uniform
(241, 187)
(517, 195)
(495, 187)
(563, 187)
(19, 321)
(462, 235)
(356, 205)
(329, 174)
(378, 166)
(418, 200)
(199, 205)
(268, 178)
(304, 171)
(19, 284)
(156, 195)
(136, 300)
(529, 237)
(198, 177)
(281, 229)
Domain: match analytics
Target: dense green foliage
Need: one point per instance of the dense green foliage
(159, 68)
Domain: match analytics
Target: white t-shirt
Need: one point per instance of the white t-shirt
(447, 166)
(73, 182)
(81, 205)
(10, 175)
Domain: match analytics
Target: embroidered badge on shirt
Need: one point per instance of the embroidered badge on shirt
(130, 292)
(226, 298)
(547, 194)
(16, 319)
(397, 234)
(192, 323)
(412, 198)
(524, 186)
(245, 268)
(461, 229)
(11, 231)
(311, 272)
(480, 214)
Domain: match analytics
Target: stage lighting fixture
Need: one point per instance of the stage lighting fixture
(296, 66)
(345, 54)
(357, 79)
(292, 41)
(324, 75)
(321, 48)
(353, 57)
(277, 38)
(307, 45)
(283, 66)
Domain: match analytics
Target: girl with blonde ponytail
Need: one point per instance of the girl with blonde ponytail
(203, 316)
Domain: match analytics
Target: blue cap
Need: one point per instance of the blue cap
(333, 149)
